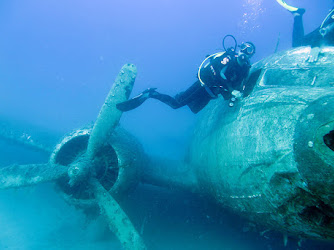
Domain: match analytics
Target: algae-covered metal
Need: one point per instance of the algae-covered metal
(270, 157)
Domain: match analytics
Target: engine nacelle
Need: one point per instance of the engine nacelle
(118, 165)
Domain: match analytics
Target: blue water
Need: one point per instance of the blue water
(58, 60)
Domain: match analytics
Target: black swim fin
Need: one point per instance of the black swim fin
(286, 6)
(292, 9)
(135, 101)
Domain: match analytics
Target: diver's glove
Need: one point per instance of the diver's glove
(314, 55)
(236, 94)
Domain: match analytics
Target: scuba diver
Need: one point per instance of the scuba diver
(220, 73)
(322, 36)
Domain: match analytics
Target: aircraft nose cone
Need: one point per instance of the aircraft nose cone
(314, 147)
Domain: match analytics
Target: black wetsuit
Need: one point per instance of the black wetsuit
(196, 97)
(314, 38)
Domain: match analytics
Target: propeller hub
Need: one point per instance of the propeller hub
(71, 152)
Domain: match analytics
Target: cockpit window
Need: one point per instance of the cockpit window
(313, 76)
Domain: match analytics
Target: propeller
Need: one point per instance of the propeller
(26, 175)
(83, 164)
(106, 122)
(16, 133)
(119, 222)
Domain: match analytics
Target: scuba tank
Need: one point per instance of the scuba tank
(207, 64)
(229, 51)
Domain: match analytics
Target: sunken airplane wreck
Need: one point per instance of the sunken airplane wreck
(269, 158)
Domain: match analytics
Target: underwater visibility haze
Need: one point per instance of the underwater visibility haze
(58, 62)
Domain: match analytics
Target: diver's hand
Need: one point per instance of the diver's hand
(236, 93)
(314, 54)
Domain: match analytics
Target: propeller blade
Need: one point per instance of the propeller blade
(28, 136)
(119, 222)
(26, 175)
(109, 115)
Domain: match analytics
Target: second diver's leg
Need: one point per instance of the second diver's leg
(298, 30)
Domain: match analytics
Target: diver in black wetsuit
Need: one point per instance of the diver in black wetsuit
(221, 73)
(322, 36)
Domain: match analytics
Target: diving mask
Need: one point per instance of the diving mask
(247, 48)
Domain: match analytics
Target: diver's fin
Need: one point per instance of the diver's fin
(135, 101)
(132, 103)
(290, 8)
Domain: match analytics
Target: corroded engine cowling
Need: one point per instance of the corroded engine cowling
(118, 165)
(270, 156)
(314, 148)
